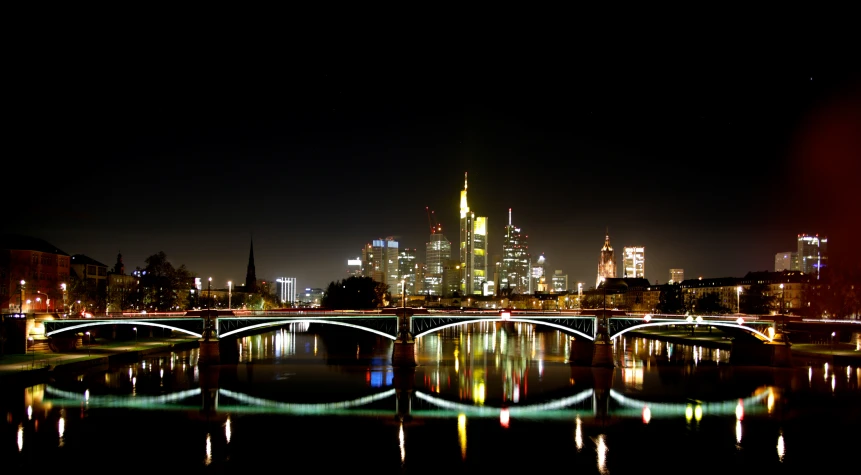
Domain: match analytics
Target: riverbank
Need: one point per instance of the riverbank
(39, 366)
(837, 353)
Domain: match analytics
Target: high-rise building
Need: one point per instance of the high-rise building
(787, 260)
(354, 267)
(812, 254)
(286, 289)
(677, 276)
(607, 262)
(473, 247)
(560, 281)
(380, 262)
(407, 270)
(634, 262)
(515, 259)
(537, 281)
(437, 252)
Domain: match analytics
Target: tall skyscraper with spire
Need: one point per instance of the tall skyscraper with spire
(251, 274)
(607, 262)
(473, 247)
(515, 259)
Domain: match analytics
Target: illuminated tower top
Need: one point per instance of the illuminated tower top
(464, 208)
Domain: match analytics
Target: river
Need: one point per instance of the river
(496, 397)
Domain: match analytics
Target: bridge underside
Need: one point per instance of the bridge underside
(192, 327)
(385, 326)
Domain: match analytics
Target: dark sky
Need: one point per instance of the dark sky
(713, 168)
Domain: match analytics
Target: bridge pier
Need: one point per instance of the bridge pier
(602, 355)
(580, 352)
(404, 351)
(404, 380)
(208, 352)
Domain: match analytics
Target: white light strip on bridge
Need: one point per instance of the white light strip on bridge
(133, 322)
(115, 401)
(319, 408)
(489, 411)
(285, 322)
(715, 324)
(494, 320)
(674, 409)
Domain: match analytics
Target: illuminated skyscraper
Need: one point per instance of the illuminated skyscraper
(677, 276)
(787, 260)
(812, 253)
(380, 262)
(437, 252)
(635, 262)
(473, 247)
(407, 270)
(515, 259)
(607, 262)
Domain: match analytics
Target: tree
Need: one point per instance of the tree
(355, 293)
(671, 299)
(592, 300)
(710, 304)
(756, 300)
(165, 288)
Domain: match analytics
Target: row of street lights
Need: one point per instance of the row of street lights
(47, 300)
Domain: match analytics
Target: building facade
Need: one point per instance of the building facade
(514, 273)
(634, 262)
(473, 247)
(787, 260)
(559, 282)
(407, 271)
(40, 265)
(812, 254)
(437, 253)
(380, 262)
(677, 276)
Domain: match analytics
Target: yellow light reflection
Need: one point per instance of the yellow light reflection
(602, 455)
(698, 413)
(689, 413)
(781, 447)
(578, 434)
(456, 361)
(401, 442)
(770, 402)
(20, 437)
(227, 430)
(208, 459)
(461, 434)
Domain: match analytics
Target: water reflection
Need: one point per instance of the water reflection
(511, 384)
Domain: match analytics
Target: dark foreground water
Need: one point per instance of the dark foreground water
(484, 399)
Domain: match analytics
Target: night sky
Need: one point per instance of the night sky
(713, 168)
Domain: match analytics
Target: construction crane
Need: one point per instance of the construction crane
(430, 221)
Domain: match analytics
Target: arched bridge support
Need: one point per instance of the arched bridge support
(404, 351)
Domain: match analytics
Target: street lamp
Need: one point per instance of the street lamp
(21, 302)
(579, 294)
(63, 286)
(229, 293)
(88, 343)
(136, 333)
(209, 293)
(403, 293)
(738, 299)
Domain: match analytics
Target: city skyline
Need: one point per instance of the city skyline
(713, 174)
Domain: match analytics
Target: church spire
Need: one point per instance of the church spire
(251, 274)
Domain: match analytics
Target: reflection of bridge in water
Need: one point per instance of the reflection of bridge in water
(583, 403)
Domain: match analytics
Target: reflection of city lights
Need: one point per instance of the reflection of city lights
(29, 413)
(130, 372)
(504, 418)
(832, 382)
(781, 448)
(578, 434)
(739, 410)
(738, 431)
(770, 402)
(20, 437)
(401, 442)
(647, 414)
(809, 375)
(61, 427)
(227, 431)
(87, 395)
(698, 413)
(461, 434)
(689, 413)
(208, 459)
(602, 455)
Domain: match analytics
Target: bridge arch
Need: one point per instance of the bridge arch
(151, 324)
(563, 328)
(285, 322)
(746, 328)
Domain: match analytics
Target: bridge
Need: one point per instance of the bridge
(404, 325)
